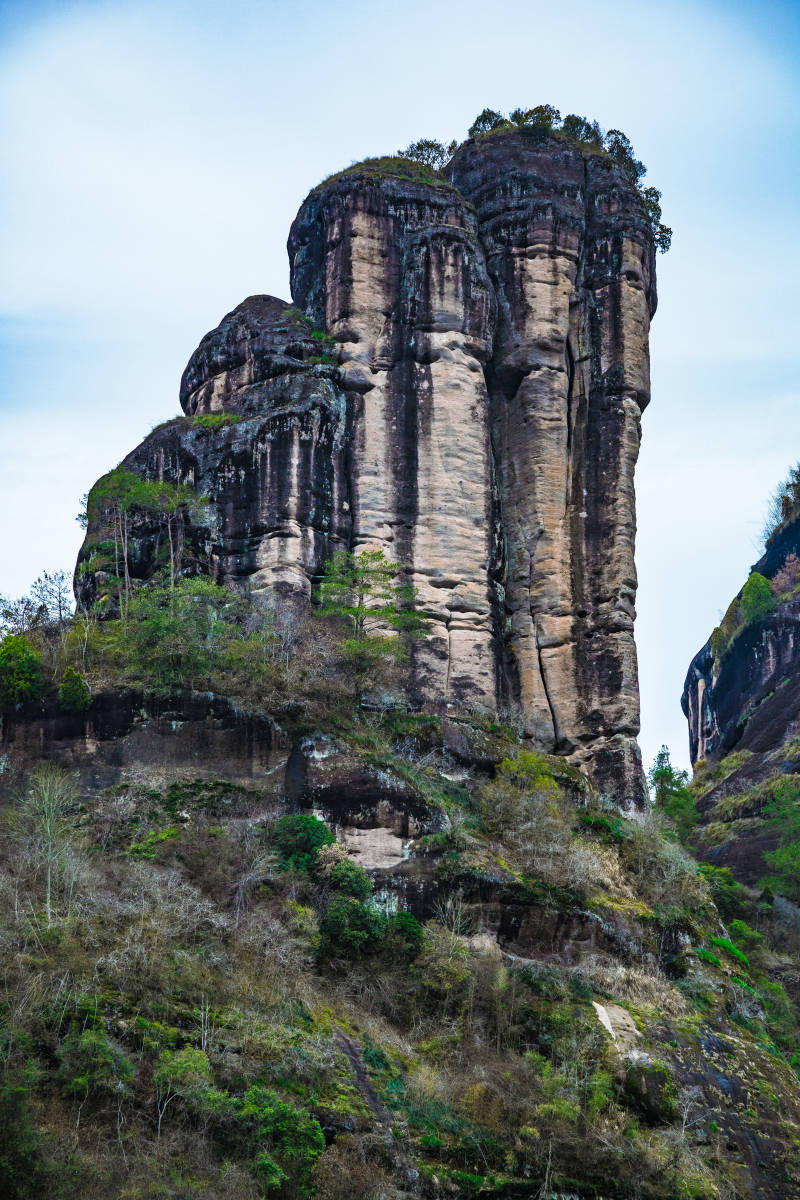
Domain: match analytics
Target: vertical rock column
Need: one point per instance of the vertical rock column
(569, 251)
(395, 272)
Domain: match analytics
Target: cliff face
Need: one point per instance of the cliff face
(461, 385)
(571, 257)
(743, 708)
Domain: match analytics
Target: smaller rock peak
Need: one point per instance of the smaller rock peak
(263, 339)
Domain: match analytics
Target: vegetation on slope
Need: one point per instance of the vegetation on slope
(205, 994)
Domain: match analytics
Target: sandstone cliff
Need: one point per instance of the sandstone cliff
(460, 384)
(742, 704)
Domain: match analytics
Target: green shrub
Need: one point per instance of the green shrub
(22, 1176)
(756, 600)
(92, 1065)
(350, 928)
(728, 895)
(74, 695)
(732, 951)
(405, 934)
(155, 838)
(297, 837)
(708, 957)
(350, 879)
(283, 1141)
(20, 672)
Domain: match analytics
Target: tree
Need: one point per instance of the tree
(174, 635)
(578, 129)
(359, 588)
(44, 805)
(486, 121)
(621, 150)
(53, 592)
(428, 151)
(20, 672)
(783, 503)
(671, 795)
(662, 234)
(74, 695)
(756, 600)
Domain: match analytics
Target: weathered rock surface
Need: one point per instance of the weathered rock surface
(461, 386)
(747, 702)
(394, 271)
(570, 253)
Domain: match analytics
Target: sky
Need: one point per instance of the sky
(155, 154)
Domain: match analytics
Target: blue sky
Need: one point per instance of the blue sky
(155, 154)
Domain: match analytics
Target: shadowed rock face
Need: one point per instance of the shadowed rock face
(570, 253)
(481, 427)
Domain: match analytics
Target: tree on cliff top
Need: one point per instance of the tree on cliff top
(756, 599)
(545, 119)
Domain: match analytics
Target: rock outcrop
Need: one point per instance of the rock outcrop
(460, 384)
(742, 705)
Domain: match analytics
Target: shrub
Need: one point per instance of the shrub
(216, 420)
(405, 934)
(20, 672)
(756, 600)
(732, 951)
(74, 695)
(350, 928)
(350, 879)
(92, 1065)
(297, 837)
(285, 1142)
(708, 957)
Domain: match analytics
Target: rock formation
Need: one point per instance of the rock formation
(742, 704)
(460, 383)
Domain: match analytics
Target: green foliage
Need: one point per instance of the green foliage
(486, 121)
(671, 795)
(90, 1064)
(20, 672)
(216, 420)
(296, 839)
(360, 589)
(175, 637)
(351, 929)
(405, 934)
(22, 1175)
(284, 1141)
(429, 152)
(782, 813)
(74, 695)
(350, 879)
(728, 895)
(756, 600)
(708, 956)
(732, 951)
(153, 840)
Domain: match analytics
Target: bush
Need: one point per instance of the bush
(756, 599)
(405, 934)
(350, 928)
(350, 879)
(74, 695)
(20, 672)
(92, 1065)
(731, 950)
(297, 838)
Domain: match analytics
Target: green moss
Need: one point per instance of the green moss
(215, 420)
(392, 166)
